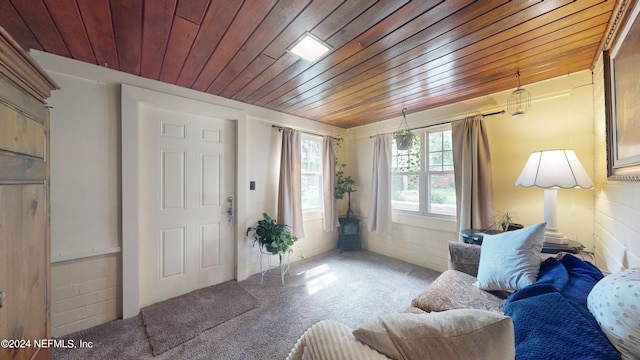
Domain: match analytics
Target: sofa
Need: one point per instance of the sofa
(558, 307)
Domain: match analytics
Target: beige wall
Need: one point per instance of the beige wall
(617, 203)
(561, 117)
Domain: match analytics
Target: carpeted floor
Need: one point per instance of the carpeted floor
(352, 287)
(167, 328)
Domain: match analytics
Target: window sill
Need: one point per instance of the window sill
(434, 222)
(312, 214)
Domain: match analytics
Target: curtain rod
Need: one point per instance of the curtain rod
(448, 122)
(304, 132)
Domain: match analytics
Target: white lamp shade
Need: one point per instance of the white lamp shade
(554, 169)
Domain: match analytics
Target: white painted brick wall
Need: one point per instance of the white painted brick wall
(617, 203)
(86, 292)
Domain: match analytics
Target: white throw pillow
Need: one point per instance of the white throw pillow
(615, 303)
(446, 335)
(510, 260)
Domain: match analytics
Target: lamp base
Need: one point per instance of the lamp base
(554, 236)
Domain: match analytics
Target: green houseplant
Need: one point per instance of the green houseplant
(344, 184)
(505, 220)
(404, 137)
(273, 237)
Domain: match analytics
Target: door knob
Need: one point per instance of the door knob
(2, 295)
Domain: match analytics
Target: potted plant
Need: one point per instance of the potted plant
(505, 220)
(344, 184)
(404, 137)
(272, 237)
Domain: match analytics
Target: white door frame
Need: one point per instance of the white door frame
(131, 97)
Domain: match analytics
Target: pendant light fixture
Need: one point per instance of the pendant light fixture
(519, 102)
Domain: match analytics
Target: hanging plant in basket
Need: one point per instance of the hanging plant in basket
(404, 137)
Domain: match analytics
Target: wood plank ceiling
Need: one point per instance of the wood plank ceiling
(387, 54)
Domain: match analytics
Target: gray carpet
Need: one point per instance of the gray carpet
(174, 321)
(352, 287)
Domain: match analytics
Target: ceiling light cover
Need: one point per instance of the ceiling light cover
(519, 102)
(309, 47)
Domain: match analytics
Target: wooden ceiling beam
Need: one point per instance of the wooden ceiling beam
(440, 74)
(246, 21)
(183, 33)
(387, 54)
(284, 12)
(13, 22)
(466, 91)
(425, 52)
(96, 16)
(341, 40)
(424, 29)
(128, 36)
(156, 28)
(308, 19)
(66, 16)
(328, 26)
(489, 77)
(35, 14)
(216, 21)
(464, 51)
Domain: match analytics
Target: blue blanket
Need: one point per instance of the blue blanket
(551, 318)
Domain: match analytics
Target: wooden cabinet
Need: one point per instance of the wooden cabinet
(24, 204)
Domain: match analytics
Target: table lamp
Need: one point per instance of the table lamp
(550, 170)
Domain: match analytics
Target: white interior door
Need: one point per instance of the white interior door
(186, 176)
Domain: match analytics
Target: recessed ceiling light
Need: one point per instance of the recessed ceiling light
(309, 47)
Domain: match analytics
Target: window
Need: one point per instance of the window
(422, 177)
(311, 172)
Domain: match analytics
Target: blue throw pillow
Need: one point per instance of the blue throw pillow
(510, 261)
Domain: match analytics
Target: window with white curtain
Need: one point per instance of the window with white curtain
(423, 181)
(311, 170)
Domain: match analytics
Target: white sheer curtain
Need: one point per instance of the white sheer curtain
(329, 184)
(380, 212)
(290, 194)
(472, 168)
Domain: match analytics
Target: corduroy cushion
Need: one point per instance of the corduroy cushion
(454, 334)
(455, 290)
(331, 340)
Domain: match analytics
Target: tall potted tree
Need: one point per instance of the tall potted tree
(344, 184)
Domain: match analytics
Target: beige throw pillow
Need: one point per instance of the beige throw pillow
(453, 334)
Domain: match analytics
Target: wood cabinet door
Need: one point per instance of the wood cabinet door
(23, 232)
